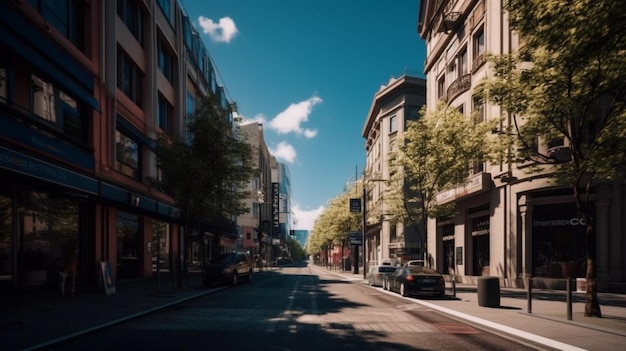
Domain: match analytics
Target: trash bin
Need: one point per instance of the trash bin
(489, 292)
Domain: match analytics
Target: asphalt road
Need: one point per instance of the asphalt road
(296, 308)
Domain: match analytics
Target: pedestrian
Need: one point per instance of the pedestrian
(69, 275)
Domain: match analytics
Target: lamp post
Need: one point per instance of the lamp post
(261, 201)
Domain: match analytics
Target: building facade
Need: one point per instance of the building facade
(509, 224)
(393, 105)
(85, 87)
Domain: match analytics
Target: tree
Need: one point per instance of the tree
(567, 83)
(436, 155)
(296, 250)
(333, 225)
(208, 173)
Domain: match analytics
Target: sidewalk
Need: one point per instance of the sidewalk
(548, 323)
(31, 322)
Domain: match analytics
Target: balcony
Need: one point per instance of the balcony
(460, 85)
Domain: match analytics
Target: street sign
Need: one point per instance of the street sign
(355, 205)
(355, 238)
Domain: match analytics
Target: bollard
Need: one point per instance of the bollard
(568, 284)
(453, 288)
(529, 295)
(488, 291)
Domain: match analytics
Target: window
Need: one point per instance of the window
(166, 61)
(164, 114)
(393, 124)
(441, 87)
(479, 48)
(479, 109)
(126, 155)
(66, 16)
(129, 78)
(59, 109)
(191, 109)
(462, 62)
(132, 15)
(165, 7)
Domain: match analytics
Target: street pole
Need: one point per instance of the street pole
(363, 231)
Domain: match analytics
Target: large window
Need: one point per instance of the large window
(66, 16)
(132, 15)
(60, 110)
(129, 78)
(166, 8)
(393, 124)
(478, 48)
(127, 154)
(164, 114)
(166, 61)
(462, 62)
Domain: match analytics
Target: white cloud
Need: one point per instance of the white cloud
(306, 218)
(222, 32)
(260, 118)
(290, 120)
(284, 151)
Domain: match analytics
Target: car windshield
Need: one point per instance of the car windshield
(225, 258)
(386, 269)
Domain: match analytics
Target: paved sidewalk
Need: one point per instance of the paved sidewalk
(548, 323)
(32, 322)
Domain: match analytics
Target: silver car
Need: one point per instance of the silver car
(376, 274)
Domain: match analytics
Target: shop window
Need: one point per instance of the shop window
(129, 78)
(132, 14)
(480, 245)
(60, 110)
(393, 232)
(48, 237)
(160, 244)
(447, 236)
(127, 155)
(558, 242)
(128, 252)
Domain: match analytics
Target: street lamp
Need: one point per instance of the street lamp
(261, 201)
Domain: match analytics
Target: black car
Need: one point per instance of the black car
(415, 280)
(229, 268)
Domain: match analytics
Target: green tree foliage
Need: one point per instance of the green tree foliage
(568, 82)
(437, 154)
(206, 175)
(296, 250)
(334, 224)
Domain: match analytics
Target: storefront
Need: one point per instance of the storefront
(558, 241)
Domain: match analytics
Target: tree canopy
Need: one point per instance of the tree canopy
(436, 154)
(208, 173)
(566, 86)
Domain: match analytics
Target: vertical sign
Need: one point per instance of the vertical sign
(275, 207)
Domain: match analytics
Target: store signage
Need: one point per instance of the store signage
(559, 222)
(275, 206)
(477, 183)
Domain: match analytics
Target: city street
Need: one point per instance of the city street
(295, 308)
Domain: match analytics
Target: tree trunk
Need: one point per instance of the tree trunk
(592, 305)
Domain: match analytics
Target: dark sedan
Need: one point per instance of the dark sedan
(229, 268)
(414, 280)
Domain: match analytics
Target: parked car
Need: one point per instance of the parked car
(229, 268)
(377, 274)
(416, 263)
(413, 280)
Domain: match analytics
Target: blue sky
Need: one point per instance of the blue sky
(309, 69)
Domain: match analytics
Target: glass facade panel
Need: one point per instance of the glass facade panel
(128, 247)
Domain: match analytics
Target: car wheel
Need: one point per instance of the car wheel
(233, 280)
(402, 290)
